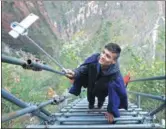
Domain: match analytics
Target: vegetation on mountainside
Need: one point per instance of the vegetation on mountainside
(139, 67)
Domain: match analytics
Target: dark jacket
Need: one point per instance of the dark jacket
(101, 84)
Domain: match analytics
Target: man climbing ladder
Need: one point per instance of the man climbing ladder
(100, 74)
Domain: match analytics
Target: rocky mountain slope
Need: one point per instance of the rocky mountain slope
(129, 23)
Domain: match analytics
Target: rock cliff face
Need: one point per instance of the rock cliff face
(131, 22)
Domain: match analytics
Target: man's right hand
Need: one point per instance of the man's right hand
(69, 73)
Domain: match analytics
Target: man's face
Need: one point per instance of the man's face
(107, 58)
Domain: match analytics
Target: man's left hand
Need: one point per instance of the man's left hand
(109, 117)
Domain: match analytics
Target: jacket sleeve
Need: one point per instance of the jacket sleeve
(117, 96)
(122, 93)
(81, 71)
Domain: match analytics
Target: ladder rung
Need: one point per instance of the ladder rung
(104, 126)
(96, 119)
(99, 114)
(99, 110)
(99, 123)
(86, 107)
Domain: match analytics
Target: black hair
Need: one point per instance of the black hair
(114, 48)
